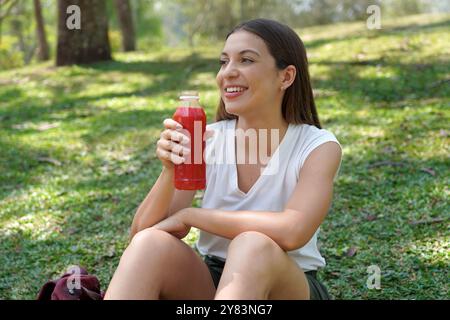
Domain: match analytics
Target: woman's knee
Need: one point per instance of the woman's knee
(253, 243)
(151, 242)
(150, 235)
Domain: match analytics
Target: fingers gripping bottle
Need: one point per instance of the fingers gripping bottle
(191, 175)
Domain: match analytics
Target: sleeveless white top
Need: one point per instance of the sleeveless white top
(270, 192)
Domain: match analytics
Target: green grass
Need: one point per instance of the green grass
(77, 156)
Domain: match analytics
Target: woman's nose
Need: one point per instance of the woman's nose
(230, 71)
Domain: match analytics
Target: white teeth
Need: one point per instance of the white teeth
(234, 89)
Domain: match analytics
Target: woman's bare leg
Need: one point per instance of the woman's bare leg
(257, 268)
(157, 265)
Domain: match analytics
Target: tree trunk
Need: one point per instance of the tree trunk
(125, 18)
(88, 44)
(43, 52)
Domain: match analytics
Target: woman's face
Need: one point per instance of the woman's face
(248, 79)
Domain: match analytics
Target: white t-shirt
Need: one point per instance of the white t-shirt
(270, 192)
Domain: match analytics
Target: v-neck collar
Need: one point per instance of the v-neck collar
(232, 150)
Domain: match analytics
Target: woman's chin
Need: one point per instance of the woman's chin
(234, 110)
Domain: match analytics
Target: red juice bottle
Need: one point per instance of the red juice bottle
(191, 175)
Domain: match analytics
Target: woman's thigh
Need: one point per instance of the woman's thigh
(264, 267)
(290, 281)
(157, 258)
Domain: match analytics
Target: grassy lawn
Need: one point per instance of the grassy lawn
(77, 156)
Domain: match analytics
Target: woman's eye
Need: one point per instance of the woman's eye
(243, 60)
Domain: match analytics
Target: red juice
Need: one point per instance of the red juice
(191, 175)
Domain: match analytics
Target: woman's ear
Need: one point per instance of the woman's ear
(287, 76)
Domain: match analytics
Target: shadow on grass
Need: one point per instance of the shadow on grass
(410, 28)
(170, 77)
(19, 162)
(20, 165)
(386, 31)
(409, 82)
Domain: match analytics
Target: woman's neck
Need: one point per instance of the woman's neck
(267, 123)
(262, 123)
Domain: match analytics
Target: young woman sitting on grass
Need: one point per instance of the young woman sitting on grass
(258, 226)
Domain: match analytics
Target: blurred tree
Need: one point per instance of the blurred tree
(250, 9)
(125, 18)
(215, 19)
(43, 52)
(88, 44)
(18, 25)
(5, 8)
(148, 23)
(395, 8)
(226, 18)
(209, 19)
(196, 21)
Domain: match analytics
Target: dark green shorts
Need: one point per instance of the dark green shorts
(317, 290)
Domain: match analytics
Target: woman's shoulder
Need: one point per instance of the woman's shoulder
(309, 133)
(307, 139)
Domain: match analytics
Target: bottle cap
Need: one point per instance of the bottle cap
(189, 95)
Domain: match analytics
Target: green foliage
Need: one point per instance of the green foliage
(115, 40)
(9, 57)
(150, 33)
(77, 156)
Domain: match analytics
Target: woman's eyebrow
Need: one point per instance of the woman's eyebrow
(242, 52)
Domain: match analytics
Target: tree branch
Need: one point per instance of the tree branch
(12, 3)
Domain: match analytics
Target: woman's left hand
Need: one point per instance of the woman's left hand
(175, 225)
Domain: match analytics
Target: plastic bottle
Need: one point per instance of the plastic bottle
(191, 175)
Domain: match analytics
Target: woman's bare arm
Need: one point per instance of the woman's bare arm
(163, 198)
(291, 228)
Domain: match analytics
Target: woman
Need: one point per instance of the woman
(258, 231)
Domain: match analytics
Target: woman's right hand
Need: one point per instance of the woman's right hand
(172, 145)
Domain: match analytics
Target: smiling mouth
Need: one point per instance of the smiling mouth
(234, 92)
(235, 89)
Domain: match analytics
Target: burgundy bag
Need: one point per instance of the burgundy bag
(76, 284)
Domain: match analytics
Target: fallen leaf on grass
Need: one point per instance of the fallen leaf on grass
(47, 126)
(111, 252)
(386, 163)
(351, 252)
(438, 83)
(49, 160)
(429, 171)
(429, 221)
(71, 231)
(388, 150)
(371, 217)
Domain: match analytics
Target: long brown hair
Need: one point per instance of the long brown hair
(287, 48)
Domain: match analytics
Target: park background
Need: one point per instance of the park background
(78, 131)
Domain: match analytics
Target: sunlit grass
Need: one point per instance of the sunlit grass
(77, 156)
